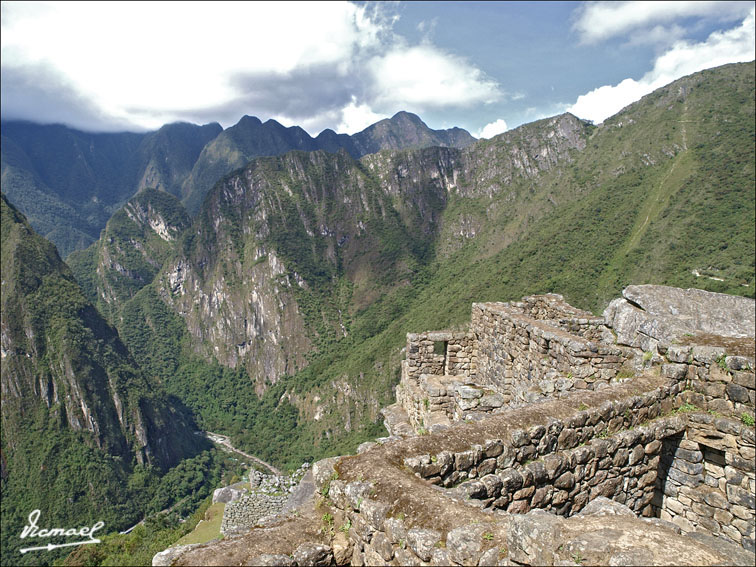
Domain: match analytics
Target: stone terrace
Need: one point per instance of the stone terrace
(536, 438)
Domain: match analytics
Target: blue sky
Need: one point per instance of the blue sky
(483, 66)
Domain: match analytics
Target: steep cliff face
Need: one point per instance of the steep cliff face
(58, 351)
(284, 251)
(166, 157)
(136, 241)
(78, 415)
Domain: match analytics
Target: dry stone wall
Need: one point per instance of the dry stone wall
(528, 360)
(720, 382)
(441, 353)
(706, 479)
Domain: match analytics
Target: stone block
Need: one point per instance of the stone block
(404, 556)
(421, 542)
(673, 505)
(737, 393)
(492, 448)
(465, 543)
(741, 497)
(688, 468)
(541, 497)
(313, 554)
(374, 512)
(565, 481)
(395, 530)
(506, 459)
(382, 545)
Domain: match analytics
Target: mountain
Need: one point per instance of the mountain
(165, 158)
(80, 421)
(136, 241)
(250, 138)
(295, 284)
(68, 183)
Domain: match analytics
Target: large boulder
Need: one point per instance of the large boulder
(647, 315)
(226, 495)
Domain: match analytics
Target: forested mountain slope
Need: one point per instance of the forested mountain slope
(80, 420)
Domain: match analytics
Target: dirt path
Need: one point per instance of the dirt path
(226, 442)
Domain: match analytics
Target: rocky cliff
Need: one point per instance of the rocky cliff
(77, 412)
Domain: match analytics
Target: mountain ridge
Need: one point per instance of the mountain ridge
(68, 182)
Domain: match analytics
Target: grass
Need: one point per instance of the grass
(747, 419)
(208, 529)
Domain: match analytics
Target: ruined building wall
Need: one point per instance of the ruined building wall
(718, 382)
(527, 360)
(707, 480)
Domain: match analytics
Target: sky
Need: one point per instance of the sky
(483, 66)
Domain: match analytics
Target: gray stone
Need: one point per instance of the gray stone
(440, 557)
(395, 530)
(465, 543)
(506, 459)
(405, 557)
(356, 492)
(566, 481)
(169, 556)
(738, 363)
(421, 541)
(533, 538)
(636, 558)
(686, 479)
(602, 506)
(648, 314)
(738, 555)
(268, 559)
(737, 393)
(324, 471)
(226, 494)
(374, 512)
(382, 545)
(342, 548)
(315, 554)
(468, 392)
(511, 480)
(717, 500)
(489, 558)
(519, 438)
(741, 497)
(490, 401)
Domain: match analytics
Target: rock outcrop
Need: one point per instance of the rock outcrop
(648, 315)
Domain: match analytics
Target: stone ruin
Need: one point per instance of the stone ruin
(544, 435)
(267, 496)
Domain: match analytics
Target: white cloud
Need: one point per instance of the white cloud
(148, 63)
(356, 117)
(683, 58)
(492, 129)
(425, 77)
(599, 21)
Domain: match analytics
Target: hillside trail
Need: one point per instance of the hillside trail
(226, 442)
